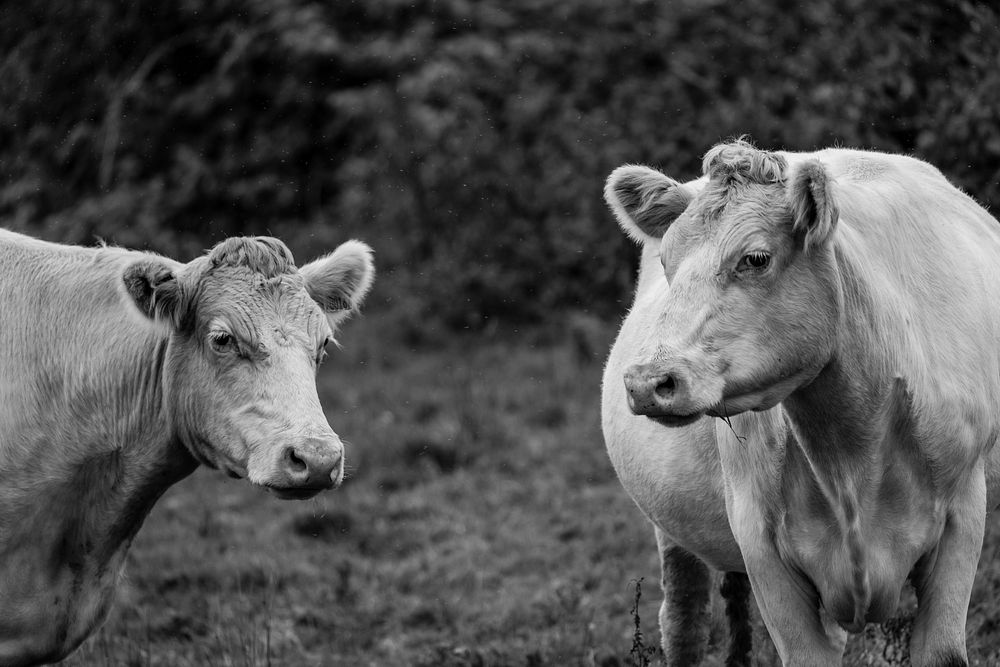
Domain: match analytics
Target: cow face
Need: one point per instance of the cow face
(753, 301)
(247, 331)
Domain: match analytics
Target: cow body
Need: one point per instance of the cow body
(104, 354)
(840, 311)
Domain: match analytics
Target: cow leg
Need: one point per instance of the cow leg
(944, 581)
(790, 609)
(684, 611)
(788, 603)
(736, 592)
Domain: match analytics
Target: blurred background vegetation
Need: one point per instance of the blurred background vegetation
(467, 140)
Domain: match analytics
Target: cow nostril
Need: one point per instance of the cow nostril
(666, 388)
(295, 462)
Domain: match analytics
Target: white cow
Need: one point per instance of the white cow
(120, 372)
(841, 311)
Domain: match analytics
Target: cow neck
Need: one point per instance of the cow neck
(154, 458)
(853, 432)
(844, 419)
(112, 487)
(853, 423)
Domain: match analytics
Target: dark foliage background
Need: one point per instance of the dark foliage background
(466, 140)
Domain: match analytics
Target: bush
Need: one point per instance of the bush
(467, 141)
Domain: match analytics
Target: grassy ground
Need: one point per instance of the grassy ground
(481, 525)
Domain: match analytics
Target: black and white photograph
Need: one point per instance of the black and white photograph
(499, 333)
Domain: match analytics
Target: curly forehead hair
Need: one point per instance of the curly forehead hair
(262, 254)
(732, 166)
(740, 161)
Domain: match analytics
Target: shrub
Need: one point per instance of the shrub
(467, 141)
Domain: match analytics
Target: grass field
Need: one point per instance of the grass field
(481, 524)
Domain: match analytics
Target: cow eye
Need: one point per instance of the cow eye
(754, 261)
(221, 340)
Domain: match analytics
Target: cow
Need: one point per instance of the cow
(673, 475)
(120, 373)
(840, 312)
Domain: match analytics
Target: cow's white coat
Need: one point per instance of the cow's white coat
(120, 372)
(875, 331)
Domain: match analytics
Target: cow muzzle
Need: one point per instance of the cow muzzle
(666, 392)
(308, 467)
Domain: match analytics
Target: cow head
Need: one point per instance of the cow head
(247, 331)
(753, 301)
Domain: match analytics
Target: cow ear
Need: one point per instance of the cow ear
(339, 281)
(645, 201)
(152, 284)
(811, 200)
